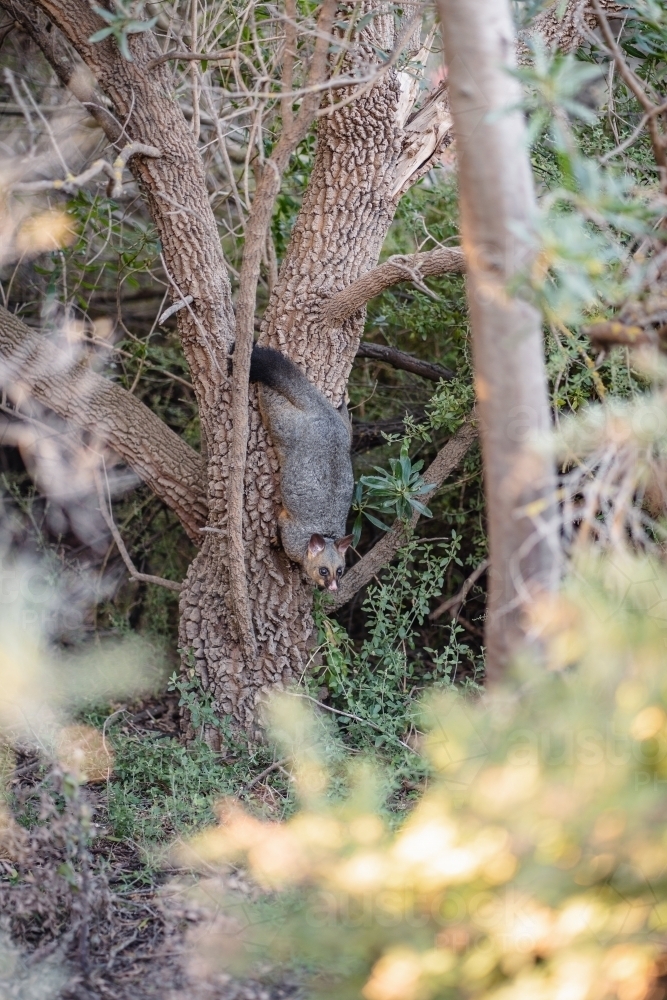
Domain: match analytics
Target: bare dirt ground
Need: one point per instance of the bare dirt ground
(79, 916)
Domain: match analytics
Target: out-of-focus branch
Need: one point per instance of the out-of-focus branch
(453, 604)
(71, 183)
(447, 459)
(182, 55)
(32, 366)
(442, 260)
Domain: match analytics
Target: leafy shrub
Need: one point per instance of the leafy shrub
(534, 864)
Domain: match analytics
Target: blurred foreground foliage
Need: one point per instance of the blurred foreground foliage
(535, 863)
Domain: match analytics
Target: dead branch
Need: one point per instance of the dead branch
(405, 362)
(32, 366)
(182, 55)
(447, 459)
(428, 132)
(120, 545)
(72, 183)
(637, 87)
(453, 604)
(614, 332)
(634, 135)
(442, 260)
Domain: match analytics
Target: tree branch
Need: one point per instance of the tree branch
(182, 55)
(565, 29)
(406, 362)
(35, 24)
(442, 260)
(105, 511)
(70, 184)
(174, 185)
(447, 459)
(427, 132)
(453, 604)
(32, 366)
(636, 86)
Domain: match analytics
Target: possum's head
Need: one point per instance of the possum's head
(325, 560)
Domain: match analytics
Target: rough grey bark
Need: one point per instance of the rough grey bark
(497, 210)
(569, 28)
(34, 367)
(338, 235)
(294, 129)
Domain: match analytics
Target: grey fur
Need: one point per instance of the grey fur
(313, 440)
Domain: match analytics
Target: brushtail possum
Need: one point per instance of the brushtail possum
(313, 440)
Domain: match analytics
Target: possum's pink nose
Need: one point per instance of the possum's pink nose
(333, 585)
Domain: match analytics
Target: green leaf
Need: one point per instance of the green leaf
(376, 522)
(100, 35)
(424, 511)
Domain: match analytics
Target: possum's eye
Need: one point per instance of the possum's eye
(324, 571)
(339, 571)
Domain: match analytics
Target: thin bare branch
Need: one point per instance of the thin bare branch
(406, 362)
(453, 604)
(634, 135)
(289, 59)
(182, 55)
(637, 87)
(120, 544)
(447, 459)
(114, 171)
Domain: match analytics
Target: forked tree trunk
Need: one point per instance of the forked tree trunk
(364, 161)
(498, 209)
(338, 235)
(340, 230)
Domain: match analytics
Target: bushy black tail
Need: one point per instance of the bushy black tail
(277, 371)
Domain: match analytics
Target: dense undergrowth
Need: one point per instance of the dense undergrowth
(378, 656)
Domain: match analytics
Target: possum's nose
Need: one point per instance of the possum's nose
(333, 585)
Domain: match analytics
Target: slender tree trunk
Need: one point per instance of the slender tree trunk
(497, 211)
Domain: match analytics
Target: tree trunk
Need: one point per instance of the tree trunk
(366, 158)
(497, 212)
(346, 212)
(338, 235)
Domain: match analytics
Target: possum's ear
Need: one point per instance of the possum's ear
(343, 544)
(316, 545)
